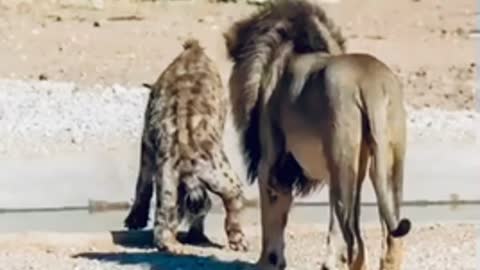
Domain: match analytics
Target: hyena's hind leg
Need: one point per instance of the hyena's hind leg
(166, 211)
(220, 178)
(138, 215)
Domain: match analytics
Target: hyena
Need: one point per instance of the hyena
(182, 154)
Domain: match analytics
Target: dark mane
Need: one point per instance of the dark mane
(289, 19)
(260, 47)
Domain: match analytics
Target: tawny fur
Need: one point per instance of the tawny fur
(311, 114)
(182, 153)
(256, 42)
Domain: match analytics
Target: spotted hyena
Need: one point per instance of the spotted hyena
(182, 153)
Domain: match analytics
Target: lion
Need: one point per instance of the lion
(182, 154)
(311, 114)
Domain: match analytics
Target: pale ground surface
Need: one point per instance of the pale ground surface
(436, 247)
(429, 43)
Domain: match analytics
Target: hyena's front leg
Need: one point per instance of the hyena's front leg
(221, 179)
(166, 219)
(275, 207)
(138, 215)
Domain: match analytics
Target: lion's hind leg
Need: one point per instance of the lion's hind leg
(343, 152)
(360, 261)
(392, 247)
(341, 233)
(386, 174)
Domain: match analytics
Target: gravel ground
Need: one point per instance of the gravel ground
(64, 115)
(436, 247)
(131, 42)
(43, 40)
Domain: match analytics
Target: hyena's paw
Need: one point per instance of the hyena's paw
(167, 242)
(136, 219)
(237, 241)
(176, 248)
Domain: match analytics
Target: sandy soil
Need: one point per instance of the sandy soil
(429, 43)
(438, 247)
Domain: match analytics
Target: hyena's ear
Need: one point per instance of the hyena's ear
(147, 85)
(231, 40)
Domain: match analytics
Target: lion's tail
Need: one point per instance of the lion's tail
(386, 188)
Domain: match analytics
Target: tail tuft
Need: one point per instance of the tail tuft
(402, 229)
(196, 200)
(193, 197)
(191, 43)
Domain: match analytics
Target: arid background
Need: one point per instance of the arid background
(59, 145)
(430, 43)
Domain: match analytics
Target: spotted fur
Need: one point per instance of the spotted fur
(182, 153)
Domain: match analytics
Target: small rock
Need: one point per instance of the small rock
(42, 77)
(98, 4)
(460, 32)
(96, 24)
(421, 73)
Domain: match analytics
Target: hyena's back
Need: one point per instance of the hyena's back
(182, 151)
(187, 108)
(183, 124)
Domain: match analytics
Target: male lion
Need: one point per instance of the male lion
(182, 153)
(311, 114)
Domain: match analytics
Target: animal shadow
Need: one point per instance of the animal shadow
(144, 239)
(159, 260)
(166, 261)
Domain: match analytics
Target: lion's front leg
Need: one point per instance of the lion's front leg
(275, 207)
(336, 258)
